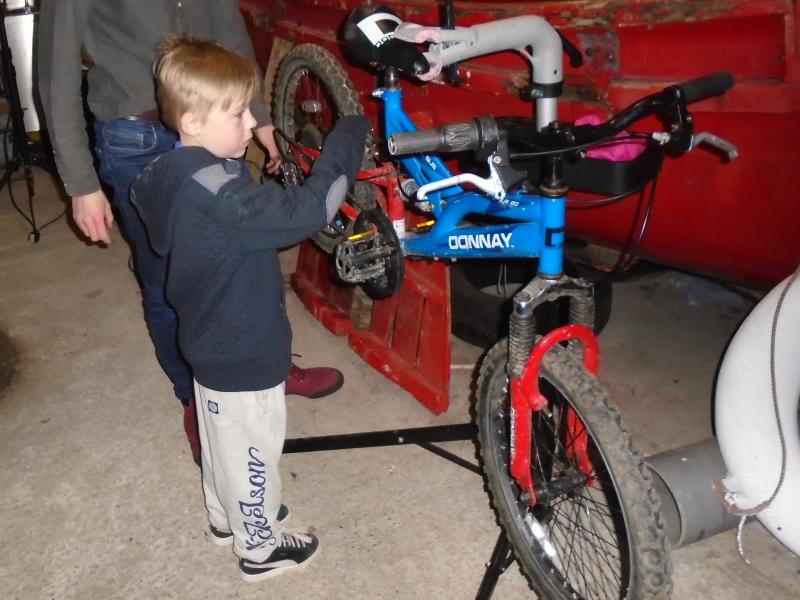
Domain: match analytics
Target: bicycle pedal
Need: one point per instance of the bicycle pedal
(362, 257)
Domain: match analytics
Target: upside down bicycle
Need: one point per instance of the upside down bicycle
(567, 483)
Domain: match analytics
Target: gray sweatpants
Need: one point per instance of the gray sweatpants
(242, 435)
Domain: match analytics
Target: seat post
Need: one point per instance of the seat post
(391, 79)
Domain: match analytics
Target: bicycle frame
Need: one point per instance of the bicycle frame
(537, 232)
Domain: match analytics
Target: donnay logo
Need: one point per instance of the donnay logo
(483, 240)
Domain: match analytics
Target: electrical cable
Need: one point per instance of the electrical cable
(629, 252)
(609, 141)
(594, 203)
(645, 221)
(35, 232)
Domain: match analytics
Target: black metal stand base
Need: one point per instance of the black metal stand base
(13, 166)
(424, 437)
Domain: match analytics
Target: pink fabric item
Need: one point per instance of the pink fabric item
(617, 152)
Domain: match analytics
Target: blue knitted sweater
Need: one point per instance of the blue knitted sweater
(221, 233)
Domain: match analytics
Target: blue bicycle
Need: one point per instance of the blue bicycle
(566, 481)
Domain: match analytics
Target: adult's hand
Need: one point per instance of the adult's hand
(92, 214)
(266, 135)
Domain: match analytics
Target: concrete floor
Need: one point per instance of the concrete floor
(100, 498)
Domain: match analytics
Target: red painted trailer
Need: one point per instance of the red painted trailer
(737, 220)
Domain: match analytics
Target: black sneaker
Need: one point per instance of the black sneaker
(225, 538)
(295, 549)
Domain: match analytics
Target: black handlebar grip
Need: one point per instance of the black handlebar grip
(715, 84)
(452, 137)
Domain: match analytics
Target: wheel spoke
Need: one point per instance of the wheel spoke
(611, 532)
(565, 529)
(590, 539)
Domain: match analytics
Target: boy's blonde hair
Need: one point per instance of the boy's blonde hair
(197, 76)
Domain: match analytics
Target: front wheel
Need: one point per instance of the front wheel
(590, 536)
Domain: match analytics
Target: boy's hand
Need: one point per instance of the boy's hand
(92, 214)
(266, 135)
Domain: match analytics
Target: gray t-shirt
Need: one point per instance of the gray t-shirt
(121, 37)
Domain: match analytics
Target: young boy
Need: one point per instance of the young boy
(221, 232)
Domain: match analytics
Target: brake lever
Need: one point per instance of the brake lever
(716, 142)
(731, 151)
(493, 185)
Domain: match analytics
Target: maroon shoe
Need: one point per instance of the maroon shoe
(313, 383)
(192, 433)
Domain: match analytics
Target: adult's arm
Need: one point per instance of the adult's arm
(62, 25)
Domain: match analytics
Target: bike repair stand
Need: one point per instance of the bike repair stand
(424, 437)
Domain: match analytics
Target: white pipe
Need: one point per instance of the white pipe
(515, 33)
(745, 418)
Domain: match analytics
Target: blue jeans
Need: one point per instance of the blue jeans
(124, 148)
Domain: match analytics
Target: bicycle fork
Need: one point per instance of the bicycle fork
(525, 356)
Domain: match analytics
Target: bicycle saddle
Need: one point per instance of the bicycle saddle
(369, 39)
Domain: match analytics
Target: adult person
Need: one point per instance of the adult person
(121, 39)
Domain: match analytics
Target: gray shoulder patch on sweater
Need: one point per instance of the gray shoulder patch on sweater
(213, 178)
(335, 197)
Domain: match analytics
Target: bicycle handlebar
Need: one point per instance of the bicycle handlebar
(483, 133)
(451, 137)
(708, 86)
